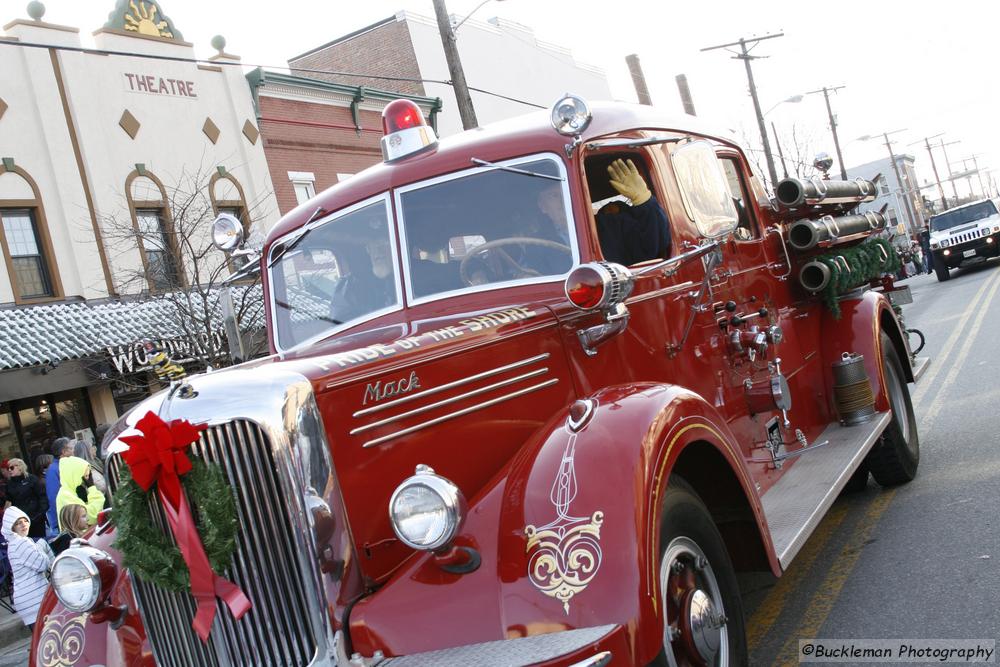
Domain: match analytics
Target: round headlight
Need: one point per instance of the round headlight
(227, 232)
(944, 244)
(426, 510)
(570, 115)
(80, 577)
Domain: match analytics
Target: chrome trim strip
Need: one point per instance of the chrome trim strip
(449, 400)
(460, 413)
(452, 385)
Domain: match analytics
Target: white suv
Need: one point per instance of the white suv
(966, 234)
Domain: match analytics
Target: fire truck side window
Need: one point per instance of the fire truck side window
(745, 228)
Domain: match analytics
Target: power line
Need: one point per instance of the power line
(204, 61)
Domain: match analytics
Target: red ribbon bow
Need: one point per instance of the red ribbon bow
(158, 456)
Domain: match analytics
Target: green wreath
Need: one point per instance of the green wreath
(149, 553)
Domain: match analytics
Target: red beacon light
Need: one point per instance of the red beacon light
(406, 131)
(598, 286)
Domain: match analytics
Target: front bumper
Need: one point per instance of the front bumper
(971, 251)
(584, 647)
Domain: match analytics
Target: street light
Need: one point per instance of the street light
(794, 99)
(468, 16)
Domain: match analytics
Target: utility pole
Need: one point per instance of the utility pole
(781, 155)
(927, 143)
(899, 179)
(951, 174)
(745, 56)
(833, 125)
(462, 96)
(979, 175)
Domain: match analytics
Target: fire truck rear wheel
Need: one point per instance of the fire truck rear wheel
(895, 459)
(700, 594)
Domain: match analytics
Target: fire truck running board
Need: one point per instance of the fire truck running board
(796, 504)
(920, 365)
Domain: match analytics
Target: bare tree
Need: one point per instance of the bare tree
(165, 253)
(794, 151)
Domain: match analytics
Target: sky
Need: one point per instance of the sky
(925, 68)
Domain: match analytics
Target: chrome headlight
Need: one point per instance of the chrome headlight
(82, 577)
(227, 232)
(426, 510)
(944, 244)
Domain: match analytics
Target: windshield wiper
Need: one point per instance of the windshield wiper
(515, 170)
(290, 307)
(294, 242)
(631, 143)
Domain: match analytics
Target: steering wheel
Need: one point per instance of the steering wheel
(498, 245)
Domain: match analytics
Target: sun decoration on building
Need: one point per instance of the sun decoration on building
(142, 18)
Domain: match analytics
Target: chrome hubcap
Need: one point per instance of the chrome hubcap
(694, 632)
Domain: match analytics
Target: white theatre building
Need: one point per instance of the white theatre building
(95, 147)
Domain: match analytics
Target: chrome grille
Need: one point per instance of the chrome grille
(276, 631)
(971, 235)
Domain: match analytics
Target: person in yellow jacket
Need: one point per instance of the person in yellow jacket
(76, 488)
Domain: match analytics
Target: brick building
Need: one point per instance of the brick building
(317, 133)
(499, 56)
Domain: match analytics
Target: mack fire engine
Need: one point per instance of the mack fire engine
(476, 441)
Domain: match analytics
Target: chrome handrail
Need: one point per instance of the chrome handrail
(670, 266)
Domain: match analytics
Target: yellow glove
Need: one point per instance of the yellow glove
(626, 180)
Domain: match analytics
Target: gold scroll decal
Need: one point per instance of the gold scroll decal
(567, 558)
(62, 640)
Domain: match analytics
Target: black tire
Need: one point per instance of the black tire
(942, 272)
(688, 531)
(859, 480)
(895, 458)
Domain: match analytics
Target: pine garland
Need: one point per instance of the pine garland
(865, 262)
(149, 553)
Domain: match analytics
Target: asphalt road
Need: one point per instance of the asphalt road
(921, 560)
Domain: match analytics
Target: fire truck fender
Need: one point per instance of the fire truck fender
(859, 330)
(582, 510)
(72, 638)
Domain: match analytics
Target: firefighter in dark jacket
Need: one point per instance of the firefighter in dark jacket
(636, 233)
(27, 493)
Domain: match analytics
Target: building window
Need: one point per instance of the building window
(24, 247)
(304, 183)
(24, 238)
(161, 267)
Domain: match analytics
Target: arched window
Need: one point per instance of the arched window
(24, 236)
(154, 232)
(228, 197)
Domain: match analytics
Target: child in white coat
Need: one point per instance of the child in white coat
(29, 562)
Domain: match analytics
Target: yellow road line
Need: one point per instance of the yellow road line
(765, 616)
(956, 366)
(927, 381)
(829, 591)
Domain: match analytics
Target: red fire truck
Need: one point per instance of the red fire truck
(477, 441)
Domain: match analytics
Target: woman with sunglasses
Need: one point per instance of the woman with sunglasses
(29, 562)
(27, 494)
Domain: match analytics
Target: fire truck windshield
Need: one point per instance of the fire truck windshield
(342, 272)
(489, 225)
(963, 215)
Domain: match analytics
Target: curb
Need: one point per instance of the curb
(12, 630)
